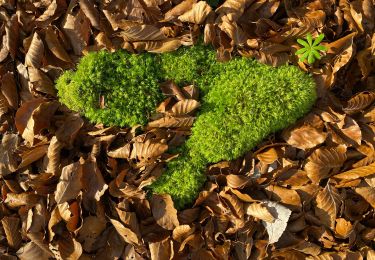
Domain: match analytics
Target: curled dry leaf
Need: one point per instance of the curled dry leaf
(162, 249)
(304, 137)
(14, 200)
(185, 107)
(167, 45)
(126, 234)
(368, 193)
(148, 150)
(9, 90)
(181, 232)
(197, 14)
(287, 196)
(359, 102)
(53, 156)
(77, 29)
(32, 155)
(268, 156)
(69, 184)
(35, 52)
(91, 12)
(328, 203)
(343, 227)
(232, 8)
(40, 82)
(163, 211)
(8, 146)
(237, 181)
(54, 9)
(356, 173)
(55, 46)
(257, 210)
(173, 122)
(11, 226)
(137, 32)
(323, 160)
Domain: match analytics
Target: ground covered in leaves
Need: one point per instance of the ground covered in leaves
(73, 190)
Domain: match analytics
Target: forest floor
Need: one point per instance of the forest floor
(73, 190)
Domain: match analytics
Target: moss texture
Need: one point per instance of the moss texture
(243, 102)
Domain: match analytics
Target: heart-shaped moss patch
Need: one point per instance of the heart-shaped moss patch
(243, 102)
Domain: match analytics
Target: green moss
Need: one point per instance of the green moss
(243, 102)
(128, 83)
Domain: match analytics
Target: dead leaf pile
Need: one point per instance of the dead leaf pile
(72, 190)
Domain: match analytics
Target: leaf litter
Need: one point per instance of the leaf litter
(72, 190)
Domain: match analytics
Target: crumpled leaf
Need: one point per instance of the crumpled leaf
(163, 211)
(69, 184)
(257, 210)
(276, 229)
(8, 146)
(148, 150)
(328, 205)
(126, 234)
(32, 155)
(137, 32)
(359, 102)
(197, 14)
(55, 46)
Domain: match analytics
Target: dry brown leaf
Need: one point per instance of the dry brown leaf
(55, 46)
(181, 232)
(32, 155)
(197, 14)
(91, 229)
(53, 156)
(163, 211)
(328, 203)
(40, 82)
(184, 107)
(359, 102)
(173, 122)
(69, 184)
(91, 12)
(343, 227)
(77, 29)
(35, 52)
(276, 229)
(232, 8)
(179, 9)
(9, 90)
(121, 152)
(8, 146)
(12, 35)
(12, 228)
(304, 137)
(234, 31)
(237, 181)
(162, 250)
(258, 210)
(4, 105)
(368, 193)
(167, 45)
(356, 173)
(284, 195)
(268, 156)
(32, 251)
(323, 160)
(138, 32)
(126, 234)
(14, 200)
(54, 9)
(148, 150)
(67, 248)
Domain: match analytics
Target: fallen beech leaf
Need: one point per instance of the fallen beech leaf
(185, 107)
(126, 234)
(197, 14)
(32, 251)
(53, 11)
(359, 102)
(12, 34)
(179, 9)
(9, 90)
(232, 8)
(8, 146)
(276, 229)
(33, 155)
(368, 193)
(55, 46)
(35, 53)
(121, 152)
(304, 137)
(53, 156)
(91, 12)
(181, 232)
(323, 160)
(41, 82)
(69, 184)
(137, 32)
(268, 156)
(91, 229)
(284, 195)
(328, 205)
(237, 181)
(12, 228)
(68, 131)
(234, 31)
(343, 227)
(356, 173)
(4, 105)
(14, 200)
(163, 211)
(68, 248)
(173, 122)
(257, 210)
(162, 250)
(147, 150)
(77, 29)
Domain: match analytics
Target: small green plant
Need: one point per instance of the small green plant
(311, 49)
(243, 102)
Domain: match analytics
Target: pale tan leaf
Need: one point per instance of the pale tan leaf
(197, 14)
(343, 227)
(328, 205)
(181, 232)
(77, 29)
(9, 90)
(162, 250)
(173, 122)
(167, 45)
(14, 200)
(91, 12)
(69, 184)
(138, 32)
(55, 46)
(276, 229)
(184, 107)
(356, 173)
(257, 210)
(163, 211)
(304, 137)
(359, 102)
(32, 155)
(126, 234)
(148, 150)
(35, 52)
(323, 160)
(12, 228)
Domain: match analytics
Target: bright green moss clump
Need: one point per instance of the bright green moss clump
(129, 85)
(243, 102)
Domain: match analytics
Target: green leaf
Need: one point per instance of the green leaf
(319, 39)
(316, 54)
(300, 51)
(320, 48)
(304, 56)
(310, 58)
(303, 43)
(309, 39)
